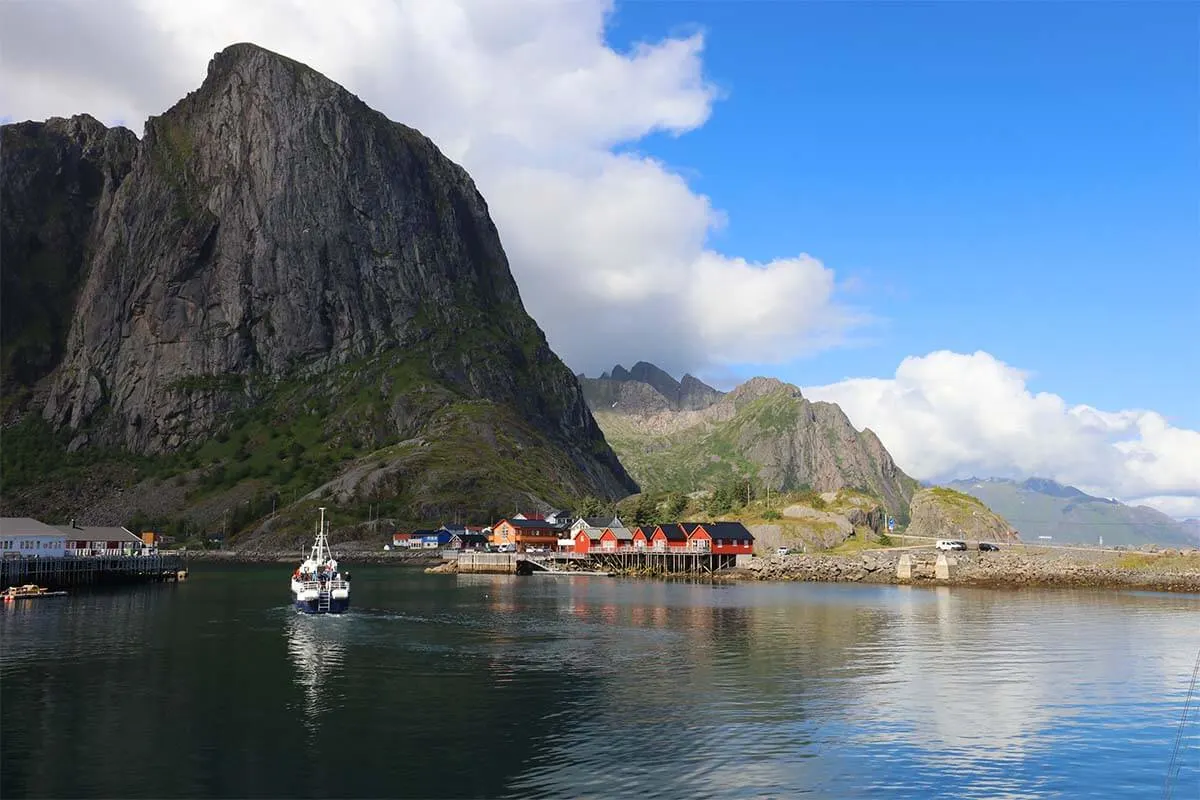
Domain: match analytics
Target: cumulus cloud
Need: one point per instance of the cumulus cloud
(530, 98)
(952, 415)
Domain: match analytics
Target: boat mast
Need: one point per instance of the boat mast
(318, 554)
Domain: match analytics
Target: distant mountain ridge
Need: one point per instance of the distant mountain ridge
(1043, 507)
(684, 435)
(625, 387)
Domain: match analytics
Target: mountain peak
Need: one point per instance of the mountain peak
(658, 390)
(249, 54)
(1051, 487)
(761, 386)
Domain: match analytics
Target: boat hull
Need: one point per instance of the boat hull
(337, 605)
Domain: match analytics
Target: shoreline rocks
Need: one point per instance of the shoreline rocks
(997, 570)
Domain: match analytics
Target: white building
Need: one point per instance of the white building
(613, 522)
(22, 537)
(101, 541)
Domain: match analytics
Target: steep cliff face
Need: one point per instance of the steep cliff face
(55, 178)
(763, 429)
(274, 231)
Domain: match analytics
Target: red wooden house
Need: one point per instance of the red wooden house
(587, 540)
(641, 536)
(615, 539)
(730, 538)
(669, 537)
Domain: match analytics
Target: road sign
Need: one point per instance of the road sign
(891, 523)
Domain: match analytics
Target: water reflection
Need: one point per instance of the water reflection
(978, 693)
(317, 648)
(494, 686)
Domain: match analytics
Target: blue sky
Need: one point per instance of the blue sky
(1003, 186)
(1021, 178)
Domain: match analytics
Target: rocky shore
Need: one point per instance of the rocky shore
(1171, 571)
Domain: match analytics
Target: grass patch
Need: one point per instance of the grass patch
(1158, 563)
(957, 498)
(856, 545)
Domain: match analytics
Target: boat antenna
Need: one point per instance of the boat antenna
(1173, 766)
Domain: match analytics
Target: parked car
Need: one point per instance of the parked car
(988, 546)
(783, 551)
(948, 545)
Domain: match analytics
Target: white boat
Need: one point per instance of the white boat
(317, 585)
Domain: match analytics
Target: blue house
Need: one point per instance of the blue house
(430, 539)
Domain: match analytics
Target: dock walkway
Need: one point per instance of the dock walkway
(625, 561)
(54, 573)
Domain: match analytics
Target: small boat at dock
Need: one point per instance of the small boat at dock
(317, 585)
(28, 592)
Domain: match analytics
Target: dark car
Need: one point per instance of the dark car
(988, 546)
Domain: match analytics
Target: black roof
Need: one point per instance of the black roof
(674, 532)
(728, 531)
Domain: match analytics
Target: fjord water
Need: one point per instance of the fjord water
(499, 686)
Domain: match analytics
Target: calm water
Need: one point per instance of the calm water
(494, 686)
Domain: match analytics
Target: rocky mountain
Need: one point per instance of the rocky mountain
(55, 178)
(647, 388)
(947, 514)
(686, 436)
(1042, 507)
(278, 264)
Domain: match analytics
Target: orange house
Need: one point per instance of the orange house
(669, 537)
(641, 537)
(723, 538)
(525, 534)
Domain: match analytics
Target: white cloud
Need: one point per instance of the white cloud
(947, 415)
(525, 94)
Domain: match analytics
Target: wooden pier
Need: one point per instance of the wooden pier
(627, 561)
(56, 573)
(639, 561)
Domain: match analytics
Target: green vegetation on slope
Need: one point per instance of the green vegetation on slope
(689, 460)
(704, 456)
(777, 428)
(425, 453)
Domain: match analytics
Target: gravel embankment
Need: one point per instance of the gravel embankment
(1166, 572)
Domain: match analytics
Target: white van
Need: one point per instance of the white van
(947, 545)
